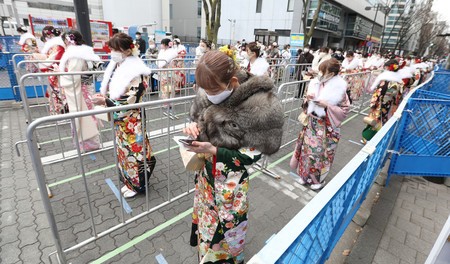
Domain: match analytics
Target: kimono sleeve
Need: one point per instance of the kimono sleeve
(238, 158)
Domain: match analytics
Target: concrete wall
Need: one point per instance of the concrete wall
(141, 12)
(273, 16)
(185, 20)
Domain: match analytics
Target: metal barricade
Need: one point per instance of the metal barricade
(295, 72)
(291, 97)
(95, 193)
(312, 234)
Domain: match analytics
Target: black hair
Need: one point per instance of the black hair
(340, 49)
(392, 62)
(350, 54)
(22, 29)
(165, 41)
(254, 48)
(138, 33)
(74, 36)
(324, 49)
(115, 31)
(208, 43)
(50, 30)
(333, 49)
(120, 41)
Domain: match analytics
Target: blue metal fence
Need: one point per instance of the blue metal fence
(312, 234)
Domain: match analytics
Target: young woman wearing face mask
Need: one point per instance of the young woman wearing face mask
(78, 89)
(165, 57)
(256, 66)
(326, 106)
(152, 51)
(203, 47)
(124, 83)
(53, 50)
(322, 56)
(232, 135)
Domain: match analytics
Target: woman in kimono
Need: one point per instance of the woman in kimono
(28, 44)
(78, 89)
(256, 65)
(165, 56)
(387, 94)
(232, 135)
(124, 83)
(54, 48)
(326, 106)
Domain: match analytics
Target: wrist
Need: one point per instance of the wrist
(213, 150)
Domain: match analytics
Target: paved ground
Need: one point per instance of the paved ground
(24, 231)
(404, 223)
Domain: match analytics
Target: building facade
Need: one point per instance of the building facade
(400, 12)
(186, 19)
(48, 9)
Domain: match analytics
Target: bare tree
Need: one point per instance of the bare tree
(308, 35)
(440, 47)
(212, 10)
(429, 34)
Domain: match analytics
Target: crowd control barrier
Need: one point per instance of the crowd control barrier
(312, 234)
(94, 174)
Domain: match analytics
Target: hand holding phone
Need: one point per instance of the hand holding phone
(187, 142)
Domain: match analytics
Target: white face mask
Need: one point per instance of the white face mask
(338, 52)
(246, 56)
(220, 97)
(117, 56)
(152, 46)
(306, 50)
(203, 49)
(322, 53)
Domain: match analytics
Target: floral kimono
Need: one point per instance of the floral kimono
(317, 142)
(53, 50)
(29, 45)
(127, 86)
(387, 96)
(78, 90)
(166, 78)
(219, 219)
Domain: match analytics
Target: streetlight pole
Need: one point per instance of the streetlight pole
(231, 28)
(373, 25)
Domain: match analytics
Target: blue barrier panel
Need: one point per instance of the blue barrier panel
(422, 146)
(440, 83)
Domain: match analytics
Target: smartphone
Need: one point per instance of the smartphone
(187, 142)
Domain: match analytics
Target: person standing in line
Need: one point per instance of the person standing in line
(387, 93)
(78, 89)
(140, 42)
(256, 65)
(232, 135)
(286, 54)
(152, 51)
(28, 44)
(53, 49)
(325, 108)
(351, 63)
(203, 47)
(322, 56)
(165, 56)
(124, 83)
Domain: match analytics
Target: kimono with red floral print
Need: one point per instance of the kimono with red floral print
(221, 206)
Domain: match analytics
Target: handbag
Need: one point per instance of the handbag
(370, 121)
(303, 118)
(192, 161)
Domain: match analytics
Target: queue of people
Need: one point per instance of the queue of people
(225, 128)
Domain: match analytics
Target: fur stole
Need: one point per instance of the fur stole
(168, 55)
(251, 117)
(129, 69)
(259, 67)
(83, 52)
(332, 92)
(24, 37)
(387, 76)
(355, 63)
(406, 72)
(56, 41)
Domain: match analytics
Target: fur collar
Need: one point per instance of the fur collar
(56, 41)
(24, 38)
(332, 92)
(350, 65)
(406, 72)
(83, 52)
(129, 69)
(259, 67)
(387, 76)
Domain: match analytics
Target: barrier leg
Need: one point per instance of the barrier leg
(262, 167)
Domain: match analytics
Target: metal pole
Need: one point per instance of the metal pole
(83, 23)
(373, 25)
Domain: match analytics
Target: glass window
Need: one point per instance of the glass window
(171, 11)
(290, 7)
(258, 6)
(199, 8)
